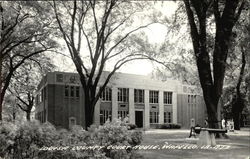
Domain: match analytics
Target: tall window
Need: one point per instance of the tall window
(66, 91)
(167, 96)
(154, 117)
(72, 91)
(153, 96)
(104, 116)
(123, 94)
(191, 99)
(107, 94)
(167, 117)
(77, 91)
(122, 114)
(139, 95)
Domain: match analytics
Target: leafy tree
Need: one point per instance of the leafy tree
(25, 31)
(237, 70)
(10, 110)
(225, 13)
(104, 27)
(25, 81)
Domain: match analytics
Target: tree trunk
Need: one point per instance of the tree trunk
(89, 115)
(1, 60)
(1, 100)
(1, 107)
(89, 107)
(28, 115)
(211, 85)
(236, 118)
(212, 113)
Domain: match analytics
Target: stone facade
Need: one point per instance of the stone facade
(143, 101)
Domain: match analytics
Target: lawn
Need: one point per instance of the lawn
(237, 146)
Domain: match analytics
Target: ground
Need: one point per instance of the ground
(237, 146)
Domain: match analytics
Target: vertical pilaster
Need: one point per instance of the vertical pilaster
(147, 109)
(131, 106)
(114, 103)
(161, 108)
(174, 107)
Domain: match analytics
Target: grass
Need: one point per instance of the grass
(238, 146)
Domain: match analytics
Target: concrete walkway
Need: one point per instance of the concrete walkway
(242, 132)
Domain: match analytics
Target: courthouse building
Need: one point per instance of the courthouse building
(145, 101)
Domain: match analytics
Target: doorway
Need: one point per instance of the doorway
(139, 119)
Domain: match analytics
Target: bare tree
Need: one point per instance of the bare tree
(104, 27)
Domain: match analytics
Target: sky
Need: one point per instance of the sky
(156, 34)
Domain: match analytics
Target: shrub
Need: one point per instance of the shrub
(166, 126)
(131, 126)
(30, 137)
(7, 136)
(26, 140)
(170, 126)
(114, 134)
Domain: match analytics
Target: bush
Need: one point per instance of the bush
(7, 136)
(29, 140)
(167, 126)
(116, 134)
(23, 140)
(131, 126)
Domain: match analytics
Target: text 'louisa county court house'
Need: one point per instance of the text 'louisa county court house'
(145, 101)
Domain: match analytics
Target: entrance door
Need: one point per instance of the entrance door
(139, 119)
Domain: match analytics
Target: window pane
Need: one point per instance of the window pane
(123, 94)
(72, 89)
(77, 91)
(153, 96)
(167, 97)
(66, 92)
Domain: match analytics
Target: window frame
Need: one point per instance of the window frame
(167, 117)
(168, 98)
(77, 91)
(123, 95)
(139, 96)
(154, 117)
(153, 97)
(106, 94)
(105, 115)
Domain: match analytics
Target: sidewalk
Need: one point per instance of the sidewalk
(242, 132)
(166, 131)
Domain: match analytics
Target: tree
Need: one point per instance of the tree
(241, 45)
(25, 81)
(104, 28)
(25, 31)
(10, 110)
(226, 13)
